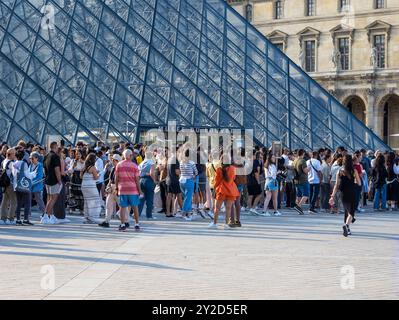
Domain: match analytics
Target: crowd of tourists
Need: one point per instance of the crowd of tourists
(120, 180)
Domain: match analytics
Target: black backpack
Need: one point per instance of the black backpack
(5, 180)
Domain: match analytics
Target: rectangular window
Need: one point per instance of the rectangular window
(379, 45)
(278, 9)
(310, 56)
(343, 5)
(310, 7)
(343, 47)
(280, 45)
(379, 4)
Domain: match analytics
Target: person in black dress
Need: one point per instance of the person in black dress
(393, 181)
(347, 178)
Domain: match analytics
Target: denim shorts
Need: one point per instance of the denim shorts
(271, 184)
(129, 200)
(303, 190)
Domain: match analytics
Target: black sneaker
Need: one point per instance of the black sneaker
(345, 228)
(137, 227)
(312, 211)
(231, 225)
(161, 211)
(298, 209)
(127, 224)
(202, 214)
(238, 224)
(18, 223)
(349, 231)
(27, 223)
(122, 228)
(104, 224)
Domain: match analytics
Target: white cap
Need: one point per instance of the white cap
(116, 157)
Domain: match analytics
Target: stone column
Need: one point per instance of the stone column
(372, 117)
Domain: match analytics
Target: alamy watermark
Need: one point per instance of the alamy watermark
(348, 277)
(47, 282)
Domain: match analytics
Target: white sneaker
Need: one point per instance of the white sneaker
(210, 215)
(212, 225)
(178, 215)
(277, 213)
(253, 211)
(53, 220)
(361, 210)
(188, 218)
(266, 214)
(10, 222)
(45, 219)
(2, 222)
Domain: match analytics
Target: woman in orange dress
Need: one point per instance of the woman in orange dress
(225, 189)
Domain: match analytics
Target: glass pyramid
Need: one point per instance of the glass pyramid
(110, 69)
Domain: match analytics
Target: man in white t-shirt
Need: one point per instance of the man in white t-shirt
(285, 156)
(314, 180)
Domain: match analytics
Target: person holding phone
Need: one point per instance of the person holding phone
(271, 185)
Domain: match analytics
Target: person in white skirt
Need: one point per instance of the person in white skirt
(91, 197)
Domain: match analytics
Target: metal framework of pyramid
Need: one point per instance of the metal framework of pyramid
(109, 69)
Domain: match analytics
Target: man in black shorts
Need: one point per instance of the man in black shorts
(52, 169)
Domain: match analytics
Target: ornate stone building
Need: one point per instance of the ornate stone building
(351, 47)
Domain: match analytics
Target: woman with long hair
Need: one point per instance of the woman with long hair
(76, 166)
(92, 201)
(254, 187)
(59, 206)
(393, 181)
(188, 172)
(271, 184)
(346, 182)
(226, 190)
(379, 177)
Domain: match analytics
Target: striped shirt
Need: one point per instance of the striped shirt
(188, 170)
(127, 171)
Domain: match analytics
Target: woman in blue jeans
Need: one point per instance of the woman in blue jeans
(380, 175)
(188, 172)
(147, 185)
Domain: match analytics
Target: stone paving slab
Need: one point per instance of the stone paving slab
(288, 257)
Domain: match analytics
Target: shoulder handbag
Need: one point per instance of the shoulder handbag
(24, 184)
(319, 173)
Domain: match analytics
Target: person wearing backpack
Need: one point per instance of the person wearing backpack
(9, 202)
(22, 183)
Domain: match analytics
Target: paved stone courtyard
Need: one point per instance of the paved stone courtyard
(288, 257)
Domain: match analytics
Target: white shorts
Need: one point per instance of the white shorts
(55, 189)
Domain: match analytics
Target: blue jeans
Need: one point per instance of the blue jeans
(187, 189)
(147, 186)
(358, 194)
(380, 193)
(314, 194)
